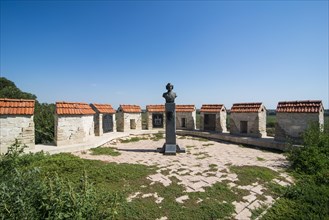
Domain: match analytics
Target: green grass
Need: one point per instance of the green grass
(133, 139)
(206, 145)
(158, 136)
(105, 151)
(260, 159)
(251, 174)
(255, 213)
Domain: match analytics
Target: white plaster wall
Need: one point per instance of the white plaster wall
(19, 127)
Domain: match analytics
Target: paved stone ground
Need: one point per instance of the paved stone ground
(192, 168)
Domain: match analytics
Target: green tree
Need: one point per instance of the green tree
(43, 112)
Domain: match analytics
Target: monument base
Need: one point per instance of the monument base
(171, 149)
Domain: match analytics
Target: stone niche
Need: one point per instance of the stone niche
(129, 117)
(74, 123)
(294, 117)
(185, 117)
(248, 119)
(16, 122)
(156, 117)
(104, 119)
(213, 118)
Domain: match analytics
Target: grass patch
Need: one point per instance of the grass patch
(105, 151)
(251, 174)
(133, 139)
(200, 139)
(255, 213)
(260, 159)
(158, 136)
(206, 145)
(189, 146)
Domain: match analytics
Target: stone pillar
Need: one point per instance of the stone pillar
(170, 147)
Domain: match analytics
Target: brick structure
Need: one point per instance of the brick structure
(213, 118)
(185, 117)
(74, 123)
(104, 119)
(16, 122)
(129, 117)
(294, 117)
(248, 119)
(156, 117)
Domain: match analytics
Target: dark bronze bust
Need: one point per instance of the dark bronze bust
(169, 95)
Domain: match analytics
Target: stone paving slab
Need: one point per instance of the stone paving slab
(193, 173)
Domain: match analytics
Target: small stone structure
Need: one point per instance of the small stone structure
(16, 122)
(213, 118)
(129, 117)
(294, 117)
(155, 116)
(185, 117)
(104, 118)
(248, 119)
(74, 123)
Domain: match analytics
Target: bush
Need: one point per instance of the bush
(309, 197)
(26, 194)
(313, 157)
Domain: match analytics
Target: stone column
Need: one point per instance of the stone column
(171, 147)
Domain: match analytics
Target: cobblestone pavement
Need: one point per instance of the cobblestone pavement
(192, 169)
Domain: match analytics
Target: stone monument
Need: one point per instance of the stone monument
(170, 147)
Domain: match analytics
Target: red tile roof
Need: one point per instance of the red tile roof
(185, 108)
(104, 108)
(211, 108)
(246, 107)
(130, 108)
(155, 108)
(308, 106)
(16, 106)
(73, 108)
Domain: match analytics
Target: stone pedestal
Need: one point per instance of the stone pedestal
(170, 147)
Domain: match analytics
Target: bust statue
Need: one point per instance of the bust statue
(169, 95)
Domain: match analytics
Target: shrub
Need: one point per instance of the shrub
(26, 194)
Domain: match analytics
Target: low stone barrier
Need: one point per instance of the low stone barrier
(266, 142)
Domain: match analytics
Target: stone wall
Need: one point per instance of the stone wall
(149, 116)
(73, 129)
(290, 126)
(190, 118)
(220, 125)
(19, 127)
(104, 123)
(256, 124)
(123, 121)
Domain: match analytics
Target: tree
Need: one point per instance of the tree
(43, 112)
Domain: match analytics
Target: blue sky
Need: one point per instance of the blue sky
(125, 52)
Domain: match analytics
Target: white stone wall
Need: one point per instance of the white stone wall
(220, 121)
(150, 122)
(256, 124)
(190, 120)
(290, 126)
(19, 127)
(123, 121)
(73, 129)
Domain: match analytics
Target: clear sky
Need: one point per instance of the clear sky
(125, 52)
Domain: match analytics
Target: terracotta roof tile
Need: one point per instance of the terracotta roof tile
(246, 107)
(211, 108)
(104, 108)
(16, 106)
(307, 106)
(185, 108)
(73, 108)
(155, 108)
(130, 108)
